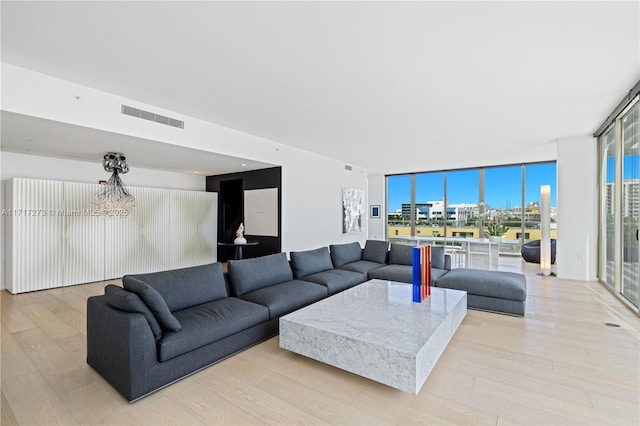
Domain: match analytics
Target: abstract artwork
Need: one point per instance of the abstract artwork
(352, 210)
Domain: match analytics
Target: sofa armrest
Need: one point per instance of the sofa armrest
(120, 346)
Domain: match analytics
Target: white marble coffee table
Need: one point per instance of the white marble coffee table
(376, 331)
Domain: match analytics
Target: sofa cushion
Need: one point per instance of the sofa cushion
(286, 297)
(208, 323)
(154, 301)
(253, 274)
(182, 288)
(336, 280)
(127, 301)
(437, 257)
(375, 251)
(400, 254)
(310, 261)
(342, 254)
(362, 266)
(393, 272)
(436, 274)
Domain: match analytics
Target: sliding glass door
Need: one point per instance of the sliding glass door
(619, 255)
(630, 206)
(608, 207)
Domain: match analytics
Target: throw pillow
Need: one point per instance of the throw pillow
(127, 301)
(311, 261)
(437, 257)
(154, 301)
(376, 251)
(341, 254)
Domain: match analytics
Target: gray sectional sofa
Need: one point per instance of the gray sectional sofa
(161, 327)
(164, 326)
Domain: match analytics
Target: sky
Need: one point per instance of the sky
(502, 186)
(630, 167)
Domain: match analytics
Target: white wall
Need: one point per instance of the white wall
(577, 208)
(311, 184)
(378, 196)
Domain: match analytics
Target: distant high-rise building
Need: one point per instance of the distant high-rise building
(630, 198)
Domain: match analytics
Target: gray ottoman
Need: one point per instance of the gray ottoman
(497, 291)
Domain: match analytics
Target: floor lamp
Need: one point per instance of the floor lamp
(545, 230)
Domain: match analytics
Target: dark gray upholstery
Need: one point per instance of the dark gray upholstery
(493, 288)
(121, 347)
(181, 288)
(437, 257)
(209, 322)
(286, 297)
(400, 269)
(362, 266)
(350, 257)
(401, 254)
(253, 274)
(336, 280)
(310, 262)
(436, 274)
(399, 273)
(342, 254)
(499, 284)
(404, 273)
(493, 304)
(154, 301)
(375, 251)
(130, 302)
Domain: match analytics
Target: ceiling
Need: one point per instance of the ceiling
(24, 134)
(388, 86)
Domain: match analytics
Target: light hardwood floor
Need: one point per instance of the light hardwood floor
(558, 365)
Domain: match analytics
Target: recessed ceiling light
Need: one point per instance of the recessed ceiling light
(243, 165)
(196, 172)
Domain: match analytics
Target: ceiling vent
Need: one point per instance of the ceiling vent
(347, 167)
(146, 115)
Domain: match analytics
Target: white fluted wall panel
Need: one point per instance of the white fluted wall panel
(193, 228)
(55, 238)
(36, 257)
(84, 234)
(139, 243)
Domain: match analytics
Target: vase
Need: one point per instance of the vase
(495, 238)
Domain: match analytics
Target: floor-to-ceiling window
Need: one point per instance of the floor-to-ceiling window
(399, 205)
(462, 201)
(503, 195)
(429, 213)
(536, 175)
(478, 203)
(619, 248)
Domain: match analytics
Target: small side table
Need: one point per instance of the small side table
(239, 247)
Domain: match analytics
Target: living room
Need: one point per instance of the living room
(339, 95)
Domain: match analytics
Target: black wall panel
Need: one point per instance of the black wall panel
(230, 188)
